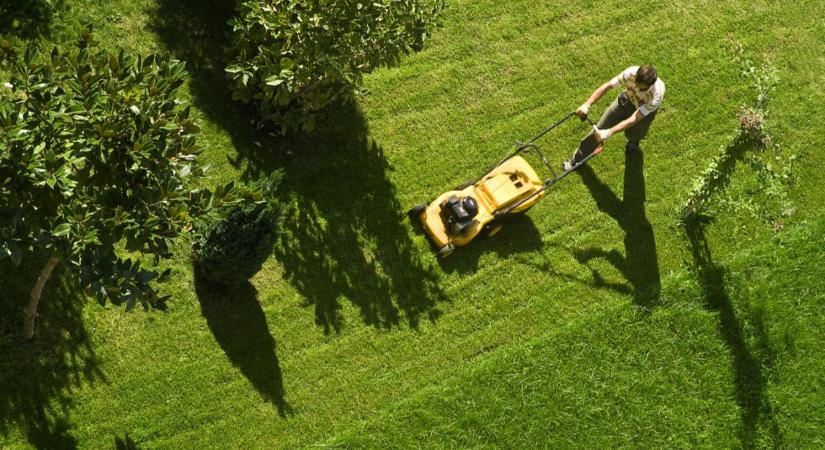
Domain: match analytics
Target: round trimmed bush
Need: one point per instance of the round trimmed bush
(230, 251)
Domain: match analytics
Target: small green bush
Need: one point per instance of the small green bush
(290, 58)
(230, 251)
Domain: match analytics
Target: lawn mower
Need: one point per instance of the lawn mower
(483, 205)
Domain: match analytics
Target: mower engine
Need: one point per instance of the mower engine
(458, 213)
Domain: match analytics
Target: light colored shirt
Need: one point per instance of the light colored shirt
(647, 101)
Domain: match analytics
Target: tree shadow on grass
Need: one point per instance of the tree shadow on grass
(126, 443)
(38, 377)
(749, 380)
(640, 264)
(28, 19)
(239, 324)
(345, 236)
(195, 31)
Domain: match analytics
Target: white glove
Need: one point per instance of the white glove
(602, 135)
(583, 110)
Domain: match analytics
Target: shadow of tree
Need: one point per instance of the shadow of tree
(38, 377)
(640, 264)
(345, 235)
(238, 323)
(749, 379)
(126, 443)
(196, 31)
(28, 18)
(519, 235)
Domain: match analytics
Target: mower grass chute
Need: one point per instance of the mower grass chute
(482, 206)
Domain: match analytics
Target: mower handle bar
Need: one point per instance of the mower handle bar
(547, 184)
(522, 146)
(556, 178)
(547, 130)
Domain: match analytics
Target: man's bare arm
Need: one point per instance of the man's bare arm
(598, 93)
(594, 97)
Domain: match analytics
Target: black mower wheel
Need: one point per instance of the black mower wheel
(416, 211)
(446, 251)
(492, 228)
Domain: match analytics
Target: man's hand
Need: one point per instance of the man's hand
(602, 135)
(583, 110)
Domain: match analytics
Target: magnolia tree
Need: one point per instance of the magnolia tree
(290, 58)
(95, 158)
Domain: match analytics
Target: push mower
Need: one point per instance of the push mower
(483, 205)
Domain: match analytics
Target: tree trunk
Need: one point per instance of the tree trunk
(30, 311)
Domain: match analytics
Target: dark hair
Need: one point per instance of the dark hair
(646, 75)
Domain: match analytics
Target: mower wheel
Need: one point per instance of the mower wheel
(446, 251)
(416, 211)
(492, 228)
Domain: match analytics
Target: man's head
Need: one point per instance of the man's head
(646, 76)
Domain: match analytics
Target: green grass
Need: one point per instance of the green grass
(621, 378)
(594, 321)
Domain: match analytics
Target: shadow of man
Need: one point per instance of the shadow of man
(238, 323)
(639, 265)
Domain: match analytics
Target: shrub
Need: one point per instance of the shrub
(230, 251)
(290, 58)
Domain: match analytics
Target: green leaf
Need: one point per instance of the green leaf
(287, 64)
(62, 230)
(274, 80)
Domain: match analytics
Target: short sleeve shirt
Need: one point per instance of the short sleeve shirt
(647, 101)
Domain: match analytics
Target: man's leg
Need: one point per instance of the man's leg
(637, 132)
(619, 110)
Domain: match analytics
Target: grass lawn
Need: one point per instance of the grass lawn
(594, 321)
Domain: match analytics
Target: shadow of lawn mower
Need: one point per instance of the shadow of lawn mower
(482, 206)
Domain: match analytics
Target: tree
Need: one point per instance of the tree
(95, 157)
(290, 58)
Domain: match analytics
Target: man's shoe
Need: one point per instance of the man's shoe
(567, 165)
(631, 147)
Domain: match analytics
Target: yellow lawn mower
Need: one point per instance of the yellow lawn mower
(483, 205)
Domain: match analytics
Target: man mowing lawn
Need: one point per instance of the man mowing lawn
(632, 111)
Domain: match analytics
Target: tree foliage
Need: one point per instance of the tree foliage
(290, 58)
(95, 157)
